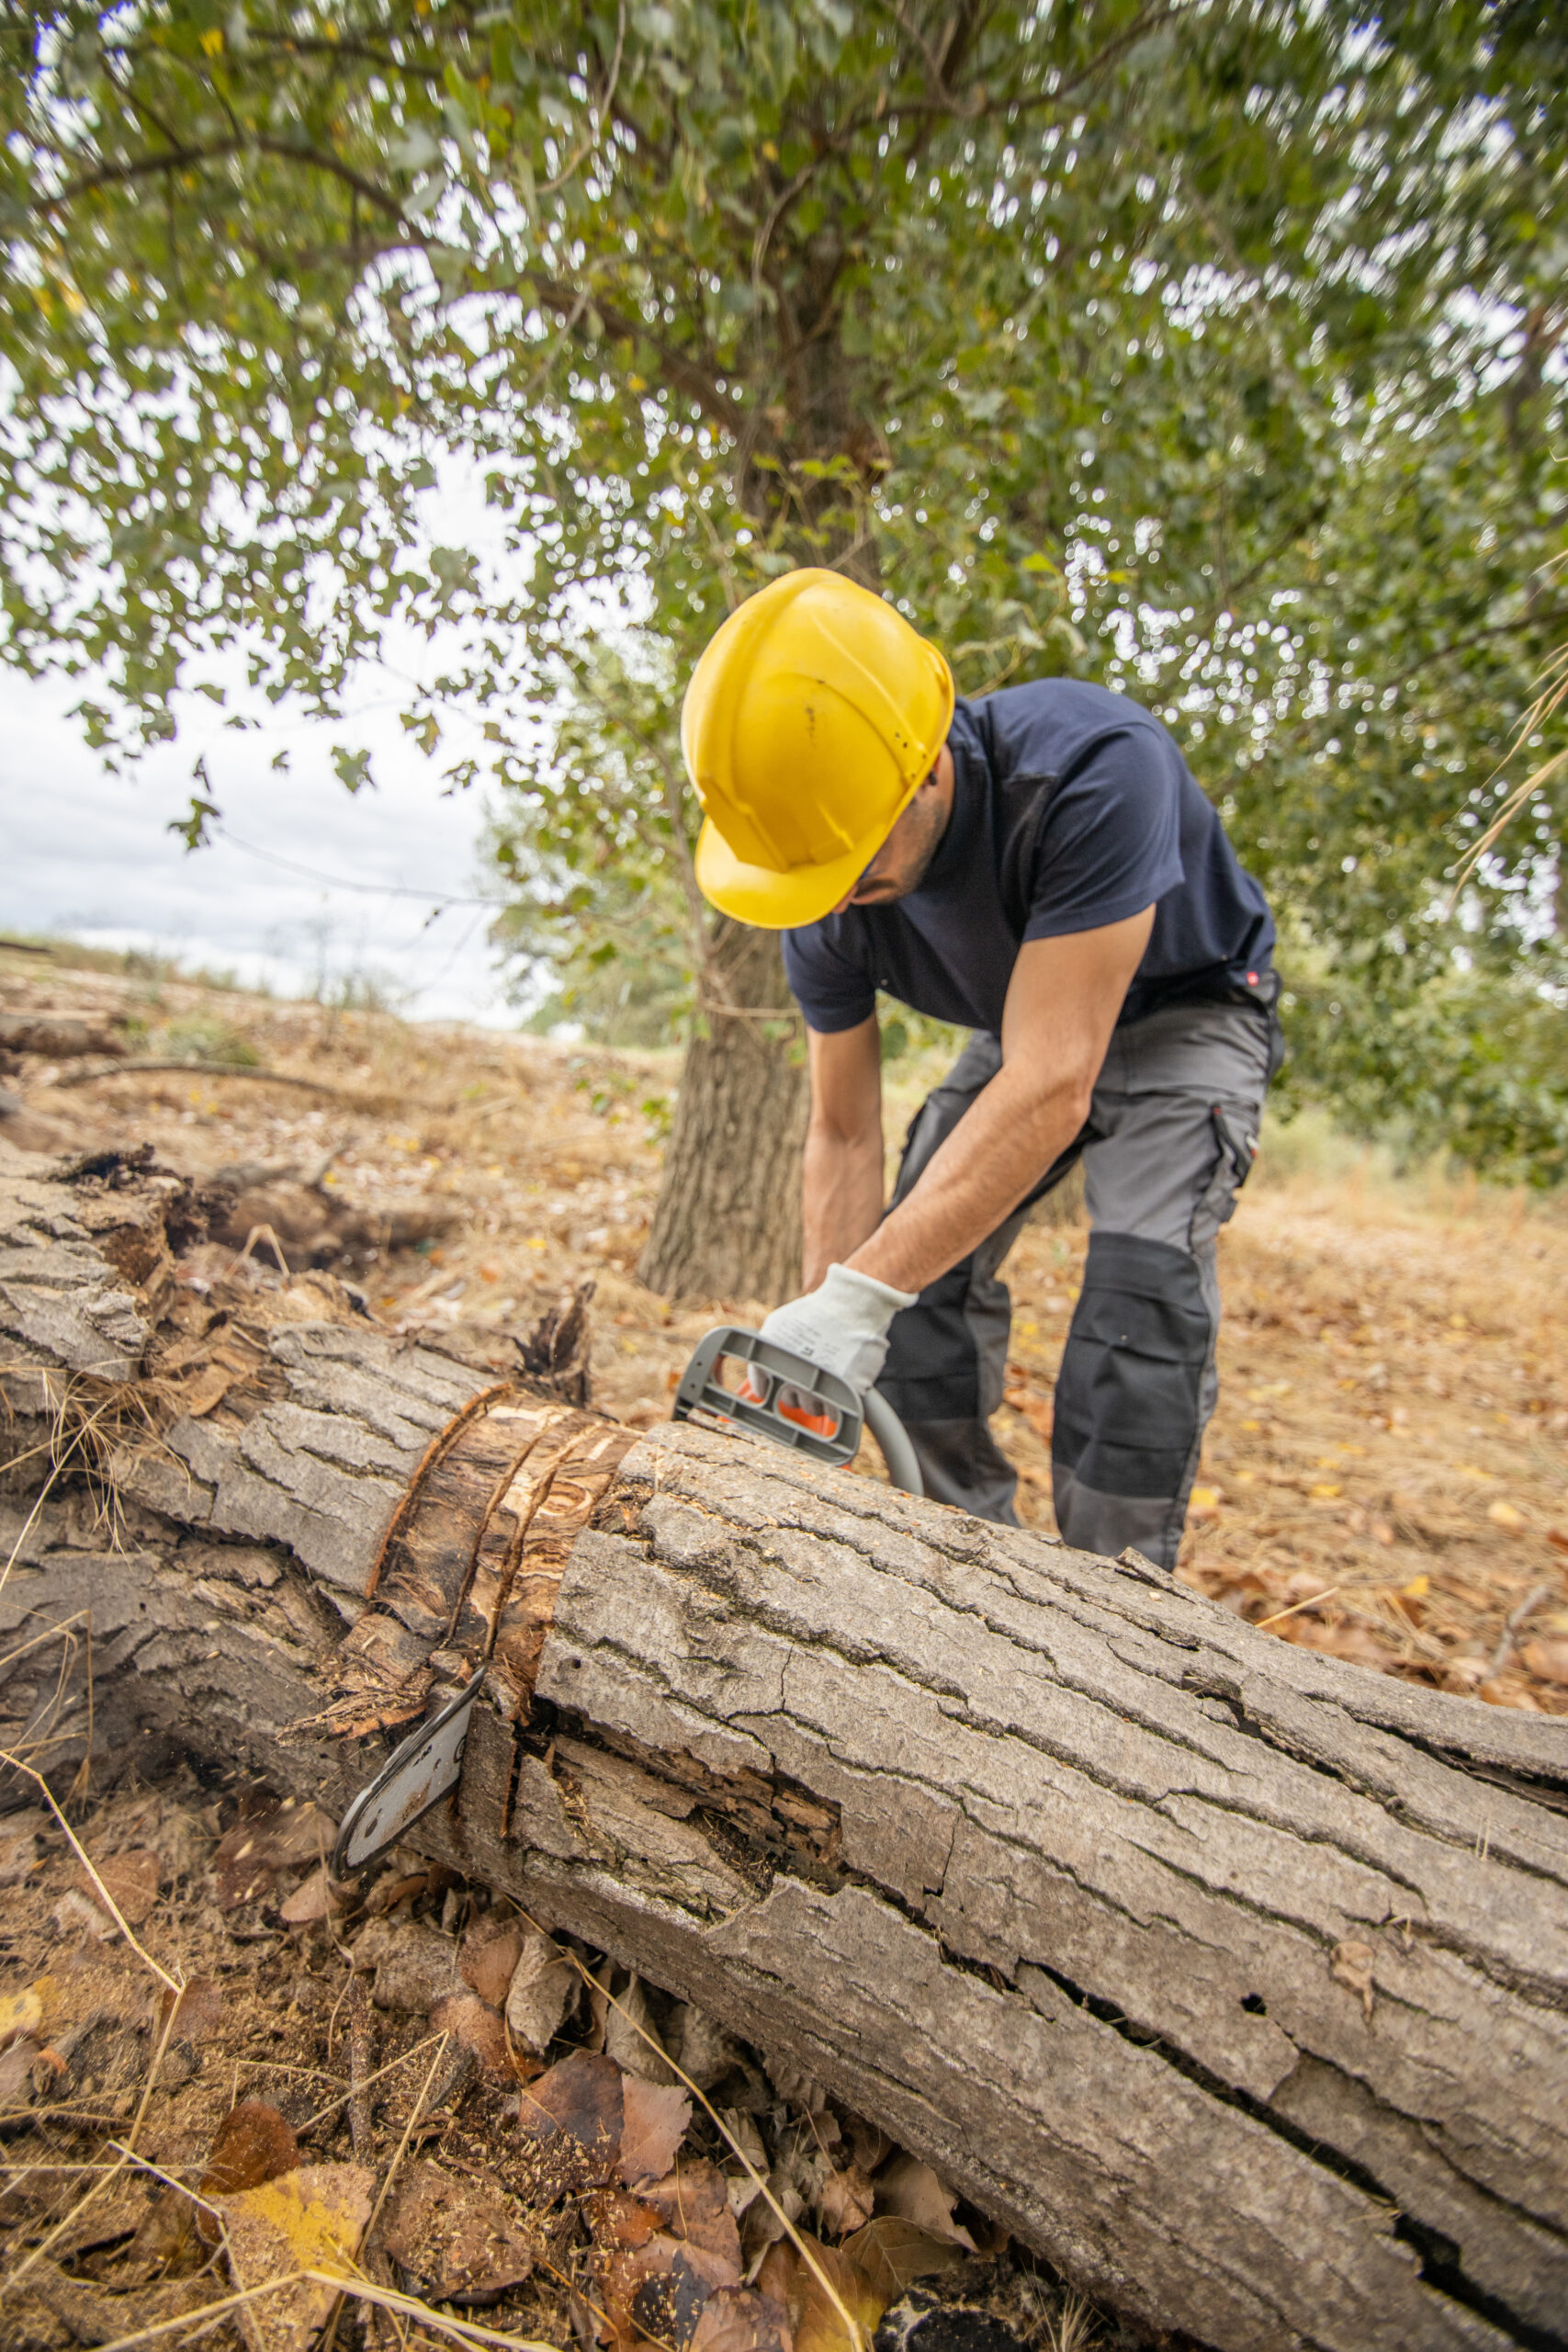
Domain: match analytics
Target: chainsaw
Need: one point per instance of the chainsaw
(779, 1398)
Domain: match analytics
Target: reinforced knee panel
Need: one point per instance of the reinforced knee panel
(1128, 1397)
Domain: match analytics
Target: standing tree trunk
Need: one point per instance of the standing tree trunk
(1231, 1977)
(728, 1222)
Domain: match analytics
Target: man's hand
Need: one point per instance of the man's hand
(1061, 1005)
(842, 1325)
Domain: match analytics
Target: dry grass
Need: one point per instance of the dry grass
(1395, 1370)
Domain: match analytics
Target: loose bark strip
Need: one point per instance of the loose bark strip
(1233, 1978)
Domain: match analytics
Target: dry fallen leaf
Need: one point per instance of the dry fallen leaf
(541, 1991)
(738, 2319)
(479, 2029)
(572, 2118)
(1549, 1659)
(312, 2219)
(416, 1965)
(693, 2202)
(76, 1914)
(1505, 1515)
(661, 2288)
(706, 2052)
(311, 1900)
(21, 2014)
(631, 2039)
(820, 2325)
(848, 2198)
(461, 2239)
(894, 2252)
(655, 2121)
(912, 2191)
(488, 1958)
(253, 2144)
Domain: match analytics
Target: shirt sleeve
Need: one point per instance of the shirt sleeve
(831, 989)
(1110, 841)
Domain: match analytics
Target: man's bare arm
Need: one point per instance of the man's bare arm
(1061, 1008)
(843, 1194)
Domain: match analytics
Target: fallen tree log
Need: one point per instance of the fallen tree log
(1232, 1977)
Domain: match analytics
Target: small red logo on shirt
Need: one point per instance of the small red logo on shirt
(1252, 979)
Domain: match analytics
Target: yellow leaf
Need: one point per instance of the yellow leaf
(1324, 1493)
(1504, 1514)
(1484, 1477)
(212, 41)
(1418, 1588)
(20, 2014)
(312, 2219)
(1252, 1425)
(822, 2328)
(1205, 1497)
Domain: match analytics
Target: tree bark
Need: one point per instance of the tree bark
(728, 1220)
(1230, 1976)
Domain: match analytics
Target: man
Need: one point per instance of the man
(1041, 866)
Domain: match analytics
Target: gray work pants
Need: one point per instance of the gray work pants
(1167, 1144)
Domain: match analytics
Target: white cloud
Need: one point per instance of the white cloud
(89, 854)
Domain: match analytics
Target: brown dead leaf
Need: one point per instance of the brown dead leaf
(479, 2029)
(460, 2239)
(1549, 1659)
(489, 1958)
(911, 2190)
(693, 2202)
(572, 2116)
(656, 2117)
(310, 2219)
(16, 2063)
(738, 2319)
(618, 2221)
(631, 2038)
(894, 2252)
(253, 2144)
(248, 1857)
(1350, 1964)
(197, 2011)
(540, 1992)
(706, 2052)
(314, 1898)
(847, 2199)
(661, 2287)
(416, 1965)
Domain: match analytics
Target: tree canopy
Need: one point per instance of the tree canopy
(1213, 350)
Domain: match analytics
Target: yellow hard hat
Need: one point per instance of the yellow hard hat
(810, 723)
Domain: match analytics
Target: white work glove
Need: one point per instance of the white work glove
(842, 1325)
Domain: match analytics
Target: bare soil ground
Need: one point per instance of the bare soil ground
(1387, 1477)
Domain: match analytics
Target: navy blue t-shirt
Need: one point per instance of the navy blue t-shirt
(1072, 808)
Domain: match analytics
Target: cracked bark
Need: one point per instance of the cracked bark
(1064, 1876)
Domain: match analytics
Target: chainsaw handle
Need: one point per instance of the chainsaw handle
(894, 1441)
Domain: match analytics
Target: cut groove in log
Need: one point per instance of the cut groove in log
(1230, 1976)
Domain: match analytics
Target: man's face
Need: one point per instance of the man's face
(900, 865)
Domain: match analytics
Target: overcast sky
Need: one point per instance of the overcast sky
(89, 854)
